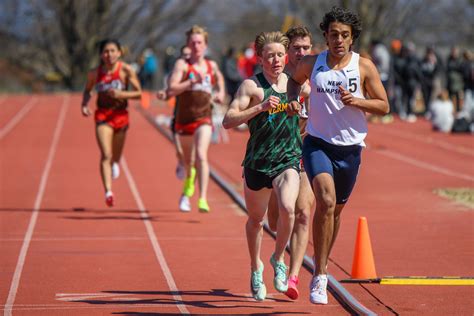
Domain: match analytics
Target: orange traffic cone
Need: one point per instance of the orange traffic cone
(363, 266)
(145, 99)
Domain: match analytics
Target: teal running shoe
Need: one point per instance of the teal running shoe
(280, 279)
(257, 287)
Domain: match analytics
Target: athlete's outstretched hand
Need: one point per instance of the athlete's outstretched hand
(346, 97)
(271, 103)
(85, 111)
(293, 108)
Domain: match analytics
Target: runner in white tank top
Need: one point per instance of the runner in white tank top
(336, 128)
(329, 118)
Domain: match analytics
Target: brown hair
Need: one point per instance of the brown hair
(265, 38)
(298, 31)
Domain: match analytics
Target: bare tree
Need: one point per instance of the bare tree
(422, 21)
(62, 35)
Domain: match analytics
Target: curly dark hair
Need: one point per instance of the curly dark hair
(341, 15)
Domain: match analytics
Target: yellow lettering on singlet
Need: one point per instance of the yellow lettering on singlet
(281, 107)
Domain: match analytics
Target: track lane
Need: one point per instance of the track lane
(21, 173)
(83, 247)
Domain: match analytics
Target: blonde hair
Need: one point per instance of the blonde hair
(196, 29)
(265, 38)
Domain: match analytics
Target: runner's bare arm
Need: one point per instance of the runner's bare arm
(176, 84)
(241, 110)
(86, 96)
(132, 78)
(297, 81)
(377, 103)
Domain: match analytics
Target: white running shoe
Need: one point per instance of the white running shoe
(180, 171)
(318, 289)
(115, 170)
(184, 204)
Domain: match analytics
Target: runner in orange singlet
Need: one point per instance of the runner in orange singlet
(110, 79)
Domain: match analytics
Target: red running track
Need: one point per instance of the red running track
(65, 253)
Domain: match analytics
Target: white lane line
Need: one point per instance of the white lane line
(430, 140)
(129, 239)
(424, 165)
(154, 240)
(78, 239)
(18, 116)
(34, 215)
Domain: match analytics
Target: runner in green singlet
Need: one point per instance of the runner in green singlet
(272, 155)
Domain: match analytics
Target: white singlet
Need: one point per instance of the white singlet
(329, 119)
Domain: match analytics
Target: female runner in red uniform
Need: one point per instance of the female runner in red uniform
(111, 80)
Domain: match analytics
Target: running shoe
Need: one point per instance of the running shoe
(109, 199)
(280, 281)
(292, 291)
(257, 287)
(115, 170)
(318, 289)
(203, 206)
(184, 204)
(188, 188)
(180, 171)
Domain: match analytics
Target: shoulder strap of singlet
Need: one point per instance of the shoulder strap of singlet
(267, 88)
(190, 70)
(210, 71)
(119, 67)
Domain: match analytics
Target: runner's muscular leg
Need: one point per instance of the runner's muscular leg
(272, 212)
(202, 140)
(323, 221)
(187, 144)
(256, 202)
(104, 136)
(286, 190)
(299, 238)
(118, 144)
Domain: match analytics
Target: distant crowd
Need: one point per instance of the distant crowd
(418, 84)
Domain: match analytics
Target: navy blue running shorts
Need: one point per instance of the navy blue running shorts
(341, 162)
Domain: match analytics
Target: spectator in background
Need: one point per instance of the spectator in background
(430, 67)
(395, 91)
(442, 109)
(381, 58)
(247, 62)
(230, 70)
(455, 78)
(468, 71)
(149, 69)
(411, 76)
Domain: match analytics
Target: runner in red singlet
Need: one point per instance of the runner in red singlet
(194, 81)
(110, 79)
